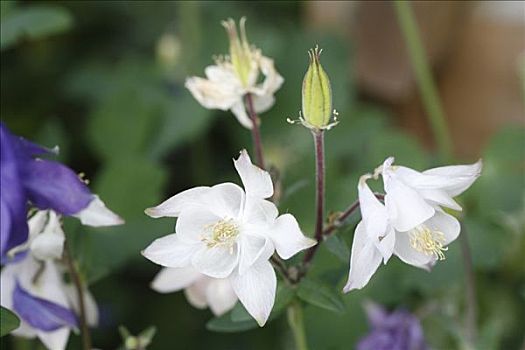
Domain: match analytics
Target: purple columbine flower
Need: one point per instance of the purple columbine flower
(398, 330)
(46, 184)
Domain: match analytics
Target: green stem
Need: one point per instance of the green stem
(425, 82)
(438, 123)
(296, 322)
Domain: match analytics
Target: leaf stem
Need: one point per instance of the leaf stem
(256, 135)
(77, 282)
(296, 322)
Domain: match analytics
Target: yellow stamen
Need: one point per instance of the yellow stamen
(428, 242)
(223, 233)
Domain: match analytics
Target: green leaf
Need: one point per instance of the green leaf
(225, 324)
(320, 295)
(338, 247)
(8, 322)
(33, 22)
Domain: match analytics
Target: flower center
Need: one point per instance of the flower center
(427, 241)
(222, 234)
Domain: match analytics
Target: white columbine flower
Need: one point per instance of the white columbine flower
(227, 232)
(411, 224)
(234, 76)
(201, 291)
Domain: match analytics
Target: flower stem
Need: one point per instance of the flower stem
(425, 82)
(470, 289)
(75, 277)
(438, 123)
(296, 322)
(319, 194)
(256, 135)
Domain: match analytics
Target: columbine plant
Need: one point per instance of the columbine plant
(35, 251)
(225, 232)
(234, 78)
(411, 224)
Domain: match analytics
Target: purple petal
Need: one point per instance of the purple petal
(40, 313)
(14, 230)
(51, 185)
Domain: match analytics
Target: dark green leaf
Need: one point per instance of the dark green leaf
(8, 321)
(33, 22)
(320, 295)
(225, 324)
(338, 247)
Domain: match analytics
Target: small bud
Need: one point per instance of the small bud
(241, 53)
(317, 111)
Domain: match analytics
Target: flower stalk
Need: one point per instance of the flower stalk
(77, 282)
(256, 135)
(319, 193)
(296, 322)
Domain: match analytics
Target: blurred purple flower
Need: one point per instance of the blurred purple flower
(398, 330)
(46, 185)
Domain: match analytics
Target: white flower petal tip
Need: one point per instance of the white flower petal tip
(256, 181)
(96, 214)
(153, 212)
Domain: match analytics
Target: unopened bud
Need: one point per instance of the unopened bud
(317, 95)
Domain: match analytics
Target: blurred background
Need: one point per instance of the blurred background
(104, 81)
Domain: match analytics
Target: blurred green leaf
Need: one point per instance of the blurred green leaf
(320, 295)
(338, 247)
(33, 22)
(8, 321)
(225, 324)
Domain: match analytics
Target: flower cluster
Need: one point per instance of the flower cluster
(412, 223)
(32, 282)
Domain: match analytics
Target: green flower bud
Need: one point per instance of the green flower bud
(241, 53)
(317, 95)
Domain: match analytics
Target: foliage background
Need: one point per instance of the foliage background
(105, 82)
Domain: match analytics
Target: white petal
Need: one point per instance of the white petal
(217, 262)
(239, 110)
(171, 279)
(196, 293)
(263, 103)
(256, 290)
(37, 222)
(373, 212)
(259, 212)
(50, 243)
(213, 95)
(386, 244)
(273, 80)
(287, 237)
(226, 200)
(440, 197)
(446, 224)
(256, 181)
(253, 248)
(220, 296)
(170, 251)
(223, 74)
(56, 340)
(193, 225)
(364, 261)
(90, 304)
(457, 178)
(183, 200)
(404, 250)
(406, 208)
(96, 214)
